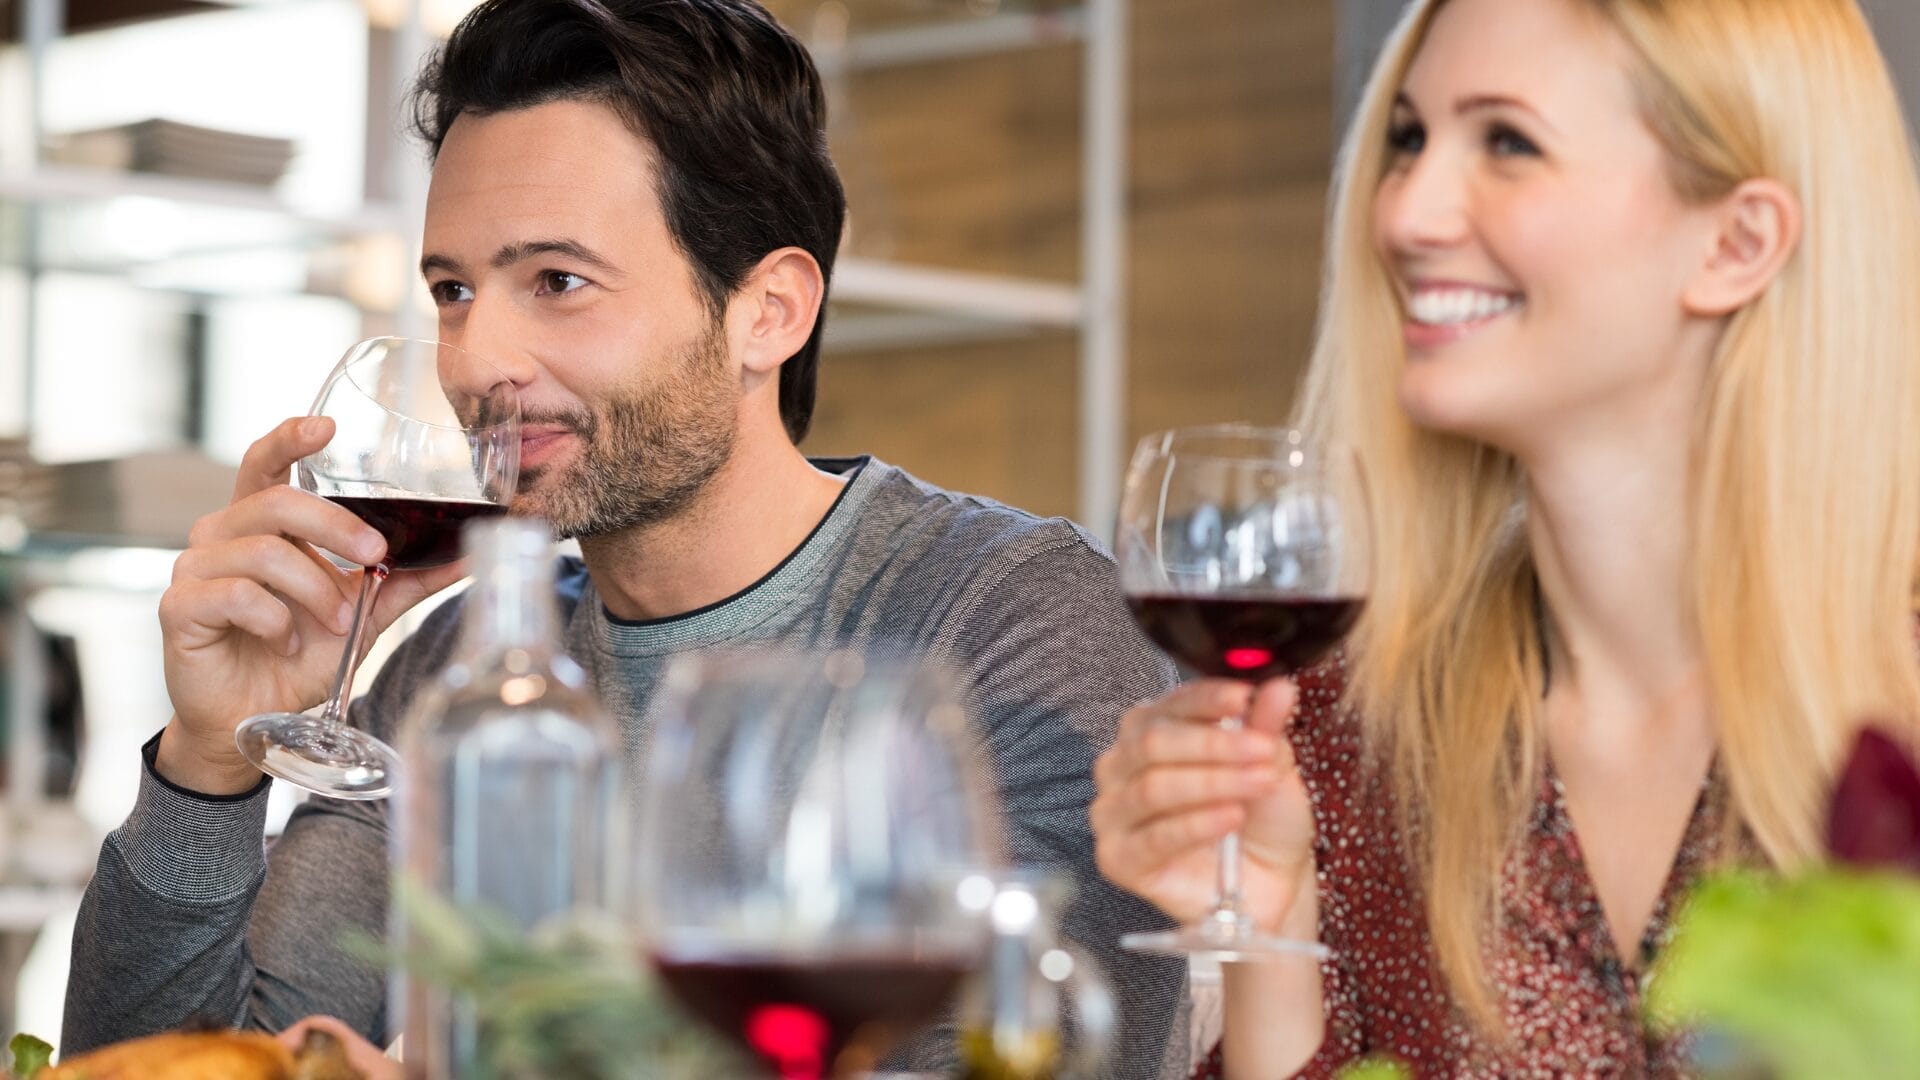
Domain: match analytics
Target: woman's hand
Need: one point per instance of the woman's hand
(1174, 782)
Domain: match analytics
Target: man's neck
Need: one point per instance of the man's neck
(755, 511)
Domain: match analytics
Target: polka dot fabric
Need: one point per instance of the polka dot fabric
(1572, 1006)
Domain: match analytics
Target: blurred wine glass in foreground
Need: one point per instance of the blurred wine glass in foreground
(812, 828)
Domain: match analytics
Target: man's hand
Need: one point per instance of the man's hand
(256, 617)
(348, 1056)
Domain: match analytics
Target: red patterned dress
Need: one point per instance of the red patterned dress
(1571, 1003)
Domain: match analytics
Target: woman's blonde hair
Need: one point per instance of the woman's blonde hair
(1805, 538)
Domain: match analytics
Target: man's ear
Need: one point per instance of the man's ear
(1758, 230)
(775, 310)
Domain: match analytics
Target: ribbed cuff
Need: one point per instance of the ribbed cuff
(189, 847)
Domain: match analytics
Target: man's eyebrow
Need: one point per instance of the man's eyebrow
(439, 262)
(513, 253)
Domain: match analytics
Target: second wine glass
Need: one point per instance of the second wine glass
(1244, 553)
(811, 828)
(426, 437)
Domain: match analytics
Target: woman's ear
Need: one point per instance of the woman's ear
(1758, 231)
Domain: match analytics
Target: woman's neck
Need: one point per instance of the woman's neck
(1609, 529)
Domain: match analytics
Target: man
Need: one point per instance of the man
(634, 216)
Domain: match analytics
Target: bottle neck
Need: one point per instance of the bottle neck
(511, 606)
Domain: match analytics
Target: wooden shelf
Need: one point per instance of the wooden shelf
(84, 15)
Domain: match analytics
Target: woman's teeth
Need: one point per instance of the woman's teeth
(1452, 307)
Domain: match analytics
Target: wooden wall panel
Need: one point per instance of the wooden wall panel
(975, 164)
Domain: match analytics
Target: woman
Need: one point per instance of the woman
(1623, 320)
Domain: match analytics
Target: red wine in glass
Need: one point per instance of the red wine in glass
(1245, 637)
(811, 1017)
(421, 533)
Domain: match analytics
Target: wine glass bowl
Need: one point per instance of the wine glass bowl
(808, 826)
(1244, 553)
(426, 437)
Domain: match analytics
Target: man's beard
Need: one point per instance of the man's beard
(645, 457)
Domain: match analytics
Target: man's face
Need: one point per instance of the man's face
(547, 253)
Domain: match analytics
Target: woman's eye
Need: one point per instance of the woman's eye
(1506, 142)
(1406, 137)
(449, 292)
(560, 281)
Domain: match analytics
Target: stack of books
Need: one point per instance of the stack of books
(172, 148)
(27, 489)
(153, 497)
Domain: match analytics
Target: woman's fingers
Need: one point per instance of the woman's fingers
(1273, 706)
(1175, 789)
(1132, 857)
(1150, 738)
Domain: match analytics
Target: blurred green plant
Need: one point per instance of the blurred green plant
(30, 1055)
(1375, 1068)
(569, 1002)
(1816, 974)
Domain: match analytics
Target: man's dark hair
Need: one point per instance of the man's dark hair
(730, 101)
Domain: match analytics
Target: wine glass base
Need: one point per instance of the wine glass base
(327, 759)
(1223, 941)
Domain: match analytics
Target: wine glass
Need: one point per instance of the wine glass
(1244, 553)
(815, 855)
(426, 437)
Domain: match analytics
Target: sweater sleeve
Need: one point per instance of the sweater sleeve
(189, 917)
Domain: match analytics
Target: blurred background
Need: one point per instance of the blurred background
(1072, 223)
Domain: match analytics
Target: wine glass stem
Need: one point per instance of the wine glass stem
(370, 582)
(1227, 900)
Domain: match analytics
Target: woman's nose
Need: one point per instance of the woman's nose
(1421, 206)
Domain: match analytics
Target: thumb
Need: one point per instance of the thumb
(1272, 710)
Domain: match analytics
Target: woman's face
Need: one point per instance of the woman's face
(1528, 224)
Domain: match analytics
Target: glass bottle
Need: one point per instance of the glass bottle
(1039, 1009)
(509, 802)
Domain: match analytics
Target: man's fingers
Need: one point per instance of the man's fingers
(365, 1057)
(208, 610)
(281, 567)
(267, 462)
(300, 515)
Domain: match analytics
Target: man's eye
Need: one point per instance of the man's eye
(560, 281)
(449, 292)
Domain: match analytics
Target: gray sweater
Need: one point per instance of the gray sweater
(189, 916)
